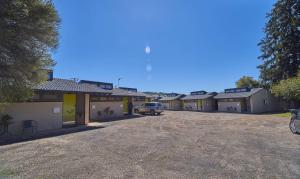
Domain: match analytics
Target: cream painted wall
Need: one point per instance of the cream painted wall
(87, 108)
(190, 106)
(138, 103)
(117, 107)
(174, 106)
(222, 106)
(208, 105)
(166, 105)
(47, 114)
(258, 105)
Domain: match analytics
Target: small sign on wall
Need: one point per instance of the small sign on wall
(56, 110)
(93, 107)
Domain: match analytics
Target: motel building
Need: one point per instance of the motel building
(116, 104)
(199, 101)
(58, 102)
(172, 101)
(246, 100)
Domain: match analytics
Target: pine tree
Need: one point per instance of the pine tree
(281, 45)
(28, 34)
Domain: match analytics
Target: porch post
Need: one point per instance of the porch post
(87, 108)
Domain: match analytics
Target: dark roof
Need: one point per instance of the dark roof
(238, 94)
(129, 89)
(94, 82)
(195, 97)
(155, 96)
(64, 85)
(122, 92)
(103, 85)
(170, 98)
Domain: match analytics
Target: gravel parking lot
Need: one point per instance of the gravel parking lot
(173, 145)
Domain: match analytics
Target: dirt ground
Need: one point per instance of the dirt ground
(173, 145)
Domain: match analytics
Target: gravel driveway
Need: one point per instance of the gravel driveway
(173, 145)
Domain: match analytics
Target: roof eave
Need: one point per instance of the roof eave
(70, 91)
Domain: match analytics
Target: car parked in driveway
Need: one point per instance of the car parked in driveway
(151, 108)
(295, 121)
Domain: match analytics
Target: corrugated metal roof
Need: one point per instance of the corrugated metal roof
(122, 92)
(195, 97)
(69, 86)
(237, 95)
(170, 98)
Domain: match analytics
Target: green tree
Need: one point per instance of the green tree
(288, 89)
(281, 45)
(247, 81)
(28, 36)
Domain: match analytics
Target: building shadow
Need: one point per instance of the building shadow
(125, 117)
(66, 129)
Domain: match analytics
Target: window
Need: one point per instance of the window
(150, 104)
(108, 87)
(50, 76)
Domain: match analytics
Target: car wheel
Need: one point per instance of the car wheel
(136, 111)
(293, 127)
(152, 113)
(158, 113)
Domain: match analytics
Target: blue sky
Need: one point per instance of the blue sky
(195, 44)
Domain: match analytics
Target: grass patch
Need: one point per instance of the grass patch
(7, 173)
(286, 114)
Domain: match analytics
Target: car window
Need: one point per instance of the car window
(150, 104)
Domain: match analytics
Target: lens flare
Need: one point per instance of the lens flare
(147, 50)
(148, 67)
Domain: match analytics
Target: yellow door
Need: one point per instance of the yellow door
(125, 104)
(69, 107)
(199, 105)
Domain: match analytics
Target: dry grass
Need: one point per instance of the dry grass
(286, 115)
